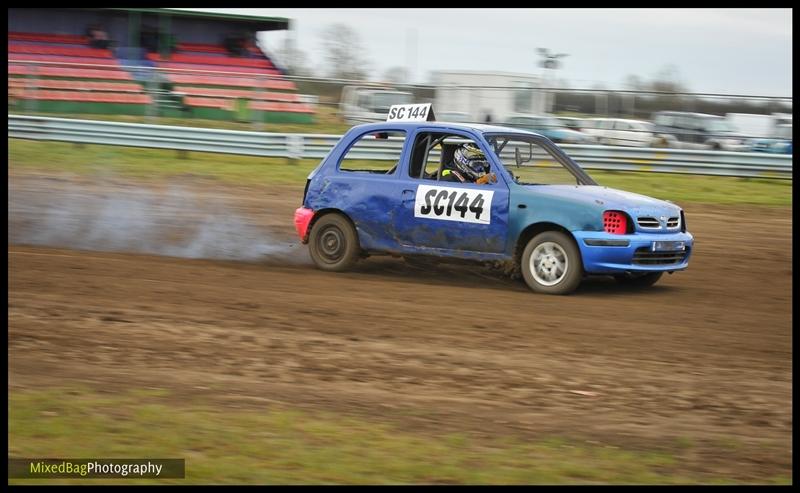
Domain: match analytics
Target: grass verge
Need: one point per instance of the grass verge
(160, 164)
(279, 446)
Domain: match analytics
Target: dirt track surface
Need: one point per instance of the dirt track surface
(704, 355)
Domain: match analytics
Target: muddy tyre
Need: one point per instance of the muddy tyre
(333, 243)
(551, 263)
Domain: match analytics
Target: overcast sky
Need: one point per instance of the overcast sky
(730, 51)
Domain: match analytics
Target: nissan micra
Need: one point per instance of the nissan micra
(385, 188)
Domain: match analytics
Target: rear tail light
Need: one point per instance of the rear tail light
(615, 222)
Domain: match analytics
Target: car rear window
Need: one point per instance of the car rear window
(375, 152)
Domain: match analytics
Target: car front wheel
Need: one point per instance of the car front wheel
(551, 263)
(333, 243)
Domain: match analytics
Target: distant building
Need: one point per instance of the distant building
(487, 95)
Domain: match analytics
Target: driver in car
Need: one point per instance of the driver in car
(469, 165)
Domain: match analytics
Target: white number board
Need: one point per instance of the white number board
(410, 113)
(454, 204)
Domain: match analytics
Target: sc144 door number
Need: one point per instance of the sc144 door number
(453, 204)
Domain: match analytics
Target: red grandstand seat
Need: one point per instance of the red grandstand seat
(218, 68)
(283, 107)
(208, 48)
(264, 106)
(271, 82)
(237, 93)
(223, 104)
(48, 38)
(59, 50)
(83, 73)
(282, 96)
(78, 85)
(61, 59)
(213, 60)
(86, 97)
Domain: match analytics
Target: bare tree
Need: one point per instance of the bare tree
(294, 59)
(668, 80)
(396, 75)
(634, 82)
(344, 53)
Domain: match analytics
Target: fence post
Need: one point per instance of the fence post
(258, 114)
(294, 148)
(33, 88)
(151, 82)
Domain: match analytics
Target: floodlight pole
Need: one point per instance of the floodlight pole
(549, 64)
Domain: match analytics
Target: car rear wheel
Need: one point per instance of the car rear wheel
(333, 243)
(661, 142)
(639, 280)
(551, 263)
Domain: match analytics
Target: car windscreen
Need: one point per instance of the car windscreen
(529, 160)
(382, 101)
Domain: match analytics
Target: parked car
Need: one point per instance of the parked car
(537, 211)
(453, 116)
(621, 132)
(781, 144)
(369, 103)
(572, 123)
(697, 131)
(551, 127)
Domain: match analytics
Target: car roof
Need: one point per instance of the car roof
(530, 115)
(629, 120)
(688, 113)
(408, 126)
(620, 120)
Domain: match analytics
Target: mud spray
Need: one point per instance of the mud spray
(174, 221)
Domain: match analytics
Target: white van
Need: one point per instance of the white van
(620, 132)
(366, 104)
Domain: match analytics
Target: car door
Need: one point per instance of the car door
(434, 216)
(621, 133)
(364, 184)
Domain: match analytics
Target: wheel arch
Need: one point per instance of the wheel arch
(324, 212)
(540, 227)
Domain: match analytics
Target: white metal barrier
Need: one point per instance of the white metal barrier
(317, 146)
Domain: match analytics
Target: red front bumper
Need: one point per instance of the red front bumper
(302, 218)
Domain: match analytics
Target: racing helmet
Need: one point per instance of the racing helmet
(471, 161)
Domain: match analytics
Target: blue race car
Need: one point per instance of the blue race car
(388, 188)
(551, 127)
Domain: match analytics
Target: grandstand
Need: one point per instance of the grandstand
(158, 61)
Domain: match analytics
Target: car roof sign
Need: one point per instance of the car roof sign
(410, 113)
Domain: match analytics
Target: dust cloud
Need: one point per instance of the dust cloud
(173, 220)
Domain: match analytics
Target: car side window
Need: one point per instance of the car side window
(665, 120)
(375, 152)
(431, 152)
(538, 164)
